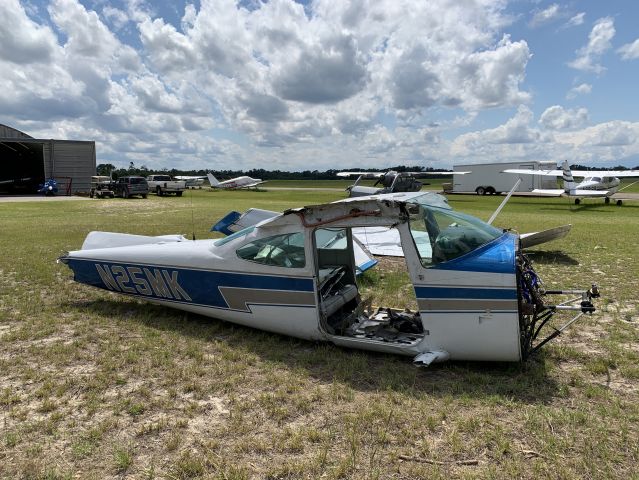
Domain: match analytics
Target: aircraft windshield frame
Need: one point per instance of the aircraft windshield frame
(443, 234)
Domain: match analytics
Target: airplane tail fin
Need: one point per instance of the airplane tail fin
(569, 181)
(212, 180)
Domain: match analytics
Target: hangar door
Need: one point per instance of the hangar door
(21, 166)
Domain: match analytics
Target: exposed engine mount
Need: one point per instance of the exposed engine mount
(534, 312)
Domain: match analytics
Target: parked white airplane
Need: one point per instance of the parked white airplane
(235, 183)
(191, 182)
(596, 183)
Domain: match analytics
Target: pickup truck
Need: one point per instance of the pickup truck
(163, 184)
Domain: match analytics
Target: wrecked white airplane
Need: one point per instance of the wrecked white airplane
(295, 274)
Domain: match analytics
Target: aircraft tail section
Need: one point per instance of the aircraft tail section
(214, 182)
(569, 181)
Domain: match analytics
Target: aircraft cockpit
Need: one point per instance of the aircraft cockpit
(441, 234)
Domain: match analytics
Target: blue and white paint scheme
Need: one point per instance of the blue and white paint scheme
(295, 273)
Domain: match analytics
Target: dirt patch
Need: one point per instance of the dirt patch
(39, 198)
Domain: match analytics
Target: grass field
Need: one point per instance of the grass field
(93, 385)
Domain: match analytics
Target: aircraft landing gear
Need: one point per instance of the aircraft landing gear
(607, 200)
(577, 201)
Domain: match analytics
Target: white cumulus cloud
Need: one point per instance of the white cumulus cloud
(545, 16)
(21, 39)
(576, 20)
(558, 118)
(581, 89)
(278, 84)
(599, 42)
(629, 51)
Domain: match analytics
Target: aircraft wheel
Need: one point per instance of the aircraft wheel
(607, 200)
(577, 201)
(619, 202)
(480, 191)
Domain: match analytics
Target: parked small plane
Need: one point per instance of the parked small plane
(235, 183)
(596, 183)
(478, 296)
(191, 181)
(390, 181)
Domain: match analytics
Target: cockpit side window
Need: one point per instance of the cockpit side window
(285, 250)
(441, 235)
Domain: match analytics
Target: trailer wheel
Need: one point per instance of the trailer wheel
(480, 191)
(490, 191)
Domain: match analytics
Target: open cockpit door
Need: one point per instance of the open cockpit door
(465, 282)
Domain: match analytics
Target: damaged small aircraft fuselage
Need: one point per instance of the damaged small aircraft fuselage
(294, 274)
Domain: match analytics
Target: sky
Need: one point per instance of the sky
(314, 85)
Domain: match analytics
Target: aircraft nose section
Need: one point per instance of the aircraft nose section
(497, 256)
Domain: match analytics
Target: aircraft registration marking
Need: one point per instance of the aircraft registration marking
(156, 282)
(209, 288)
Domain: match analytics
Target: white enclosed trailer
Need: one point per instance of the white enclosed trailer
(486, 178)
